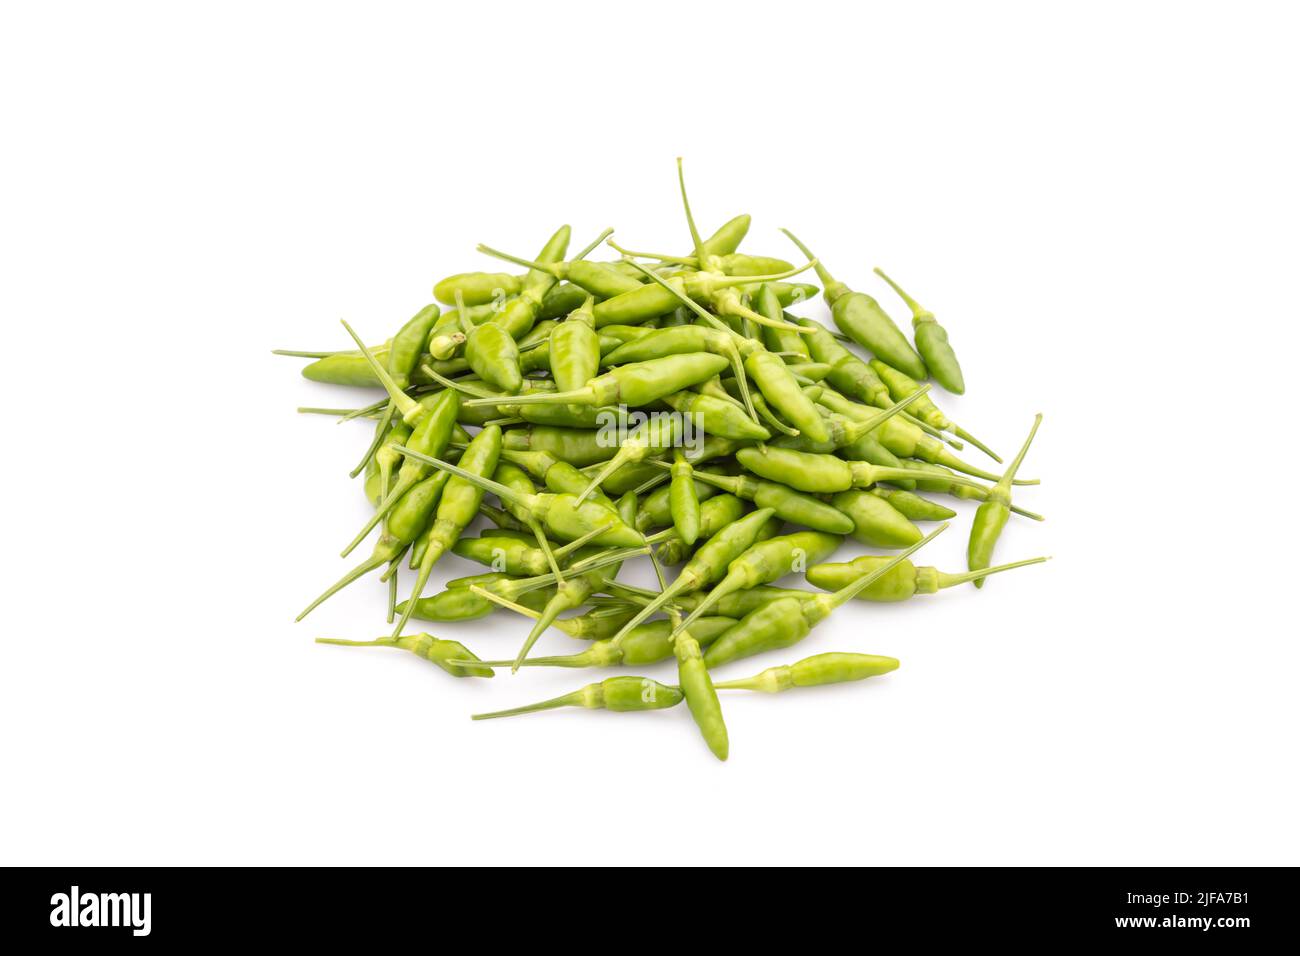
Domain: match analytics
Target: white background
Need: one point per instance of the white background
(1099, 201)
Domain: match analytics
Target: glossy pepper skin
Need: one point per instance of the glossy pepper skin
(932, 342)
(697, 688)
(815, 671)
(613, 693)
(432, 649)
(861, 318)
(575, 349)
(477, 288)
(647, 643)
(459, 603)
(848, 374)
(812, 473)
(901, 582)
(875, 521)
(991, 516)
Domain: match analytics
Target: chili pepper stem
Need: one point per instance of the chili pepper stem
(375, 442)
(962, 433)
(365, 567)
(965, 577)
(572, 699)
(378, 642)
(1009, 476)
(407, 405)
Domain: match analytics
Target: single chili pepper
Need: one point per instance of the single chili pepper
(785, 503)
(936, 478)
(561, 300)
(808, 373)
(494, 356)
(577, 446)
(575, 591)
(861, 318)
(931, 341)
(385, 459)
(613, 693)
(598, 279)
(791, 345)
(512, 555)
(788, 621)
(913, 506)
(634, 385)
(903, 581)
(697, 688)
(684, 504)
(373, 483)
(817, 474)
(991, 516)
(766, 561)
(433, 649)
(715, 514)
(713, 415)
(477, 288)
(645, 644)
(650, 437)
(405, 522)
(900, 386)
(875, 521)
(457, 508)
(728, 238)
(346, 368)
(575, 349)
(562, 515)
(461, 604)
(709, 563)
(831, 668)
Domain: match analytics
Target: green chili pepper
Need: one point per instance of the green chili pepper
(787, 621)
(842, 431)
(848, 373)
(613, 693)
(766, 561)
(346, 368)
(991, 516)
(559, 476)
(477, 288)
(861, 318)
(902, 581)
(715, 514)
(931, 342)
(900, 386)
(831, 668)
(684, 504)
(875, 521)
(459, 603)
(645, 644)
(373, 483)
(785, 503)
(575, 349)
(912, 506)
(936, 478)
(576, 446)
(818, 474)
(697, 688)
(717, 417)
(430, 648)
(634, 385)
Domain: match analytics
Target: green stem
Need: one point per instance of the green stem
(573, 699)
(965, 577)
(850, 591)
(404, 402)
(1004, 483)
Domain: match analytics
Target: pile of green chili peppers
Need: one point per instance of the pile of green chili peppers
(580, 414)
